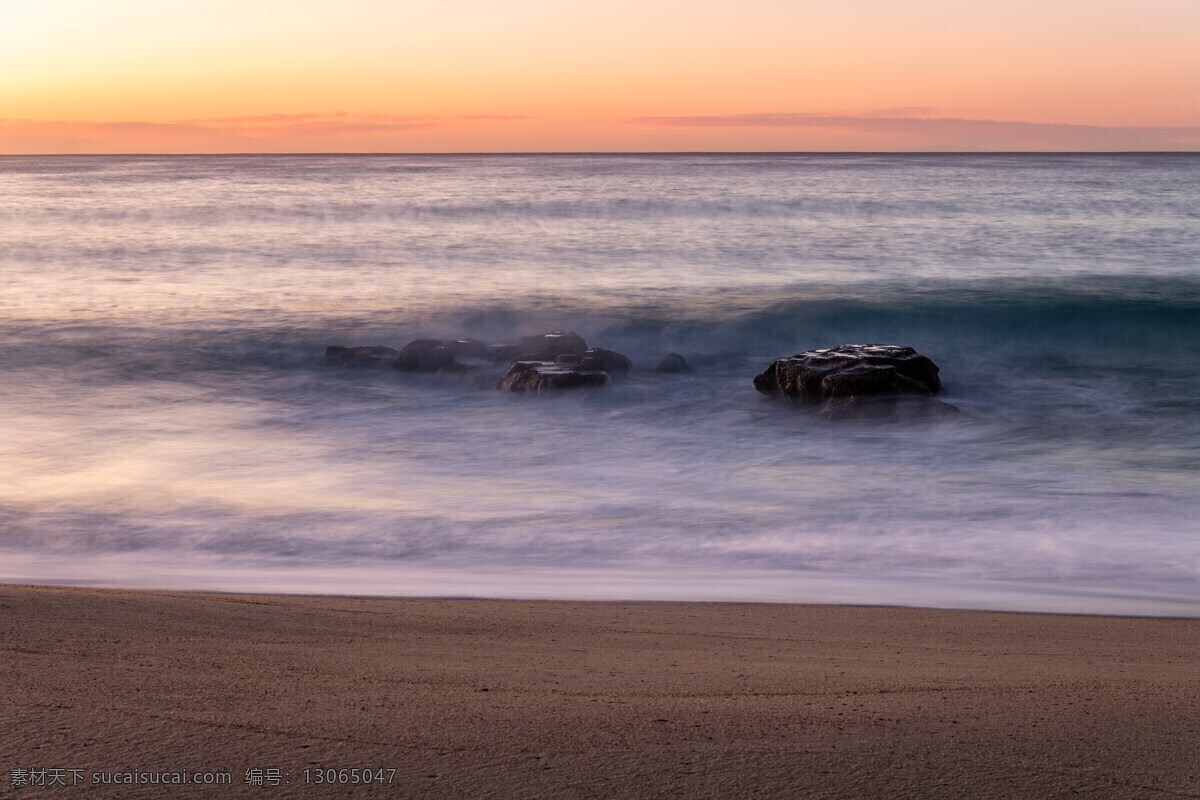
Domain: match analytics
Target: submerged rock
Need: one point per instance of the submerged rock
(562, 347)
(553, 343)
(673, 363)
(376, 356)
(543, 347)
(857, 380)
(609, 360)
(427, 355)
(468, 348)
(558, 360)
(541, 376)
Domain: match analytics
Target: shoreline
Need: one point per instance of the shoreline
(546, 698)
(481, 598)
(201, 573)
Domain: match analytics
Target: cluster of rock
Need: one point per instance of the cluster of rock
(558, 361)
(858, 380)
(360, 356)
(420, 355)
(548, 361)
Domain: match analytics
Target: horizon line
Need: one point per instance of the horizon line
(624, 153)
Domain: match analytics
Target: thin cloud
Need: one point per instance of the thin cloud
(922, 132)
(501, 117)
(270, 119)
(345, 118)
(256, 132)
(903, 111)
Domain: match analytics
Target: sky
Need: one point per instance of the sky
(221, 76)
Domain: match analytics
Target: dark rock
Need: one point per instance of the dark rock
(849, 370)
(541, 376)
(543, 347)
(610, 360)
(468, 348)
(673, 363)
(870, 379)
(553, 343)
(427, 355)
(376, 356)
(855, 379)
(502, 352)
(568, 358)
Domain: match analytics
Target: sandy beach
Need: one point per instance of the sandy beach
(464, 698)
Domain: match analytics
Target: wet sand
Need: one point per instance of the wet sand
(503, 699)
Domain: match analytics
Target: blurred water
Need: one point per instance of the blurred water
(168, 419)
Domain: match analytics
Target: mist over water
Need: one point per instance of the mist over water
(170, 421)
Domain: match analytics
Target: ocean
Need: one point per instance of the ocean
(169, 419)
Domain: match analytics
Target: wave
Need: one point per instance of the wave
(1024, 327)
(632, 209)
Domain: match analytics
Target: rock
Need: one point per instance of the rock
(673, 364)
(543, 347)
(427, 355)
(552, 343)
(557, 360)
(468, 348)
(856, 380)
(540, 376)
(610, 360)
(376, 356)
(870, 379)
(849, 370)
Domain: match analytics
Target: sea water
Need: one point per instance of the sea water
(169, 420)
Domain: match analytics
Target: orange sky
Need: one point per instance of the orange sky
(82, 76)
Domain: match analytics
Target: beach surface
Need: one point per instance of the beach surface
(520, 699)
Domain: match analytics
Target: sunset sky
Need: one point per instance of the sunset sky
(81, 76)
